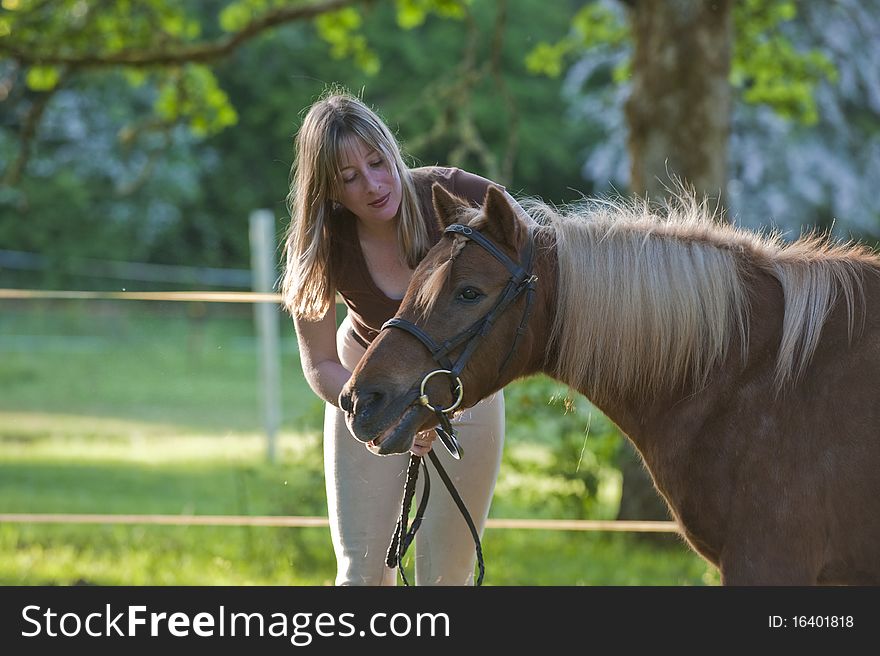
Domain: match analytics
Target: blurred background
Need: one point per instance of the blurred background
(138, 140)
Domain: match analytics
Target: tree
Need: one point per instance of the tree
(684, 65)
(187, 111)
(141, 81)
(678, 111)
(50, 43)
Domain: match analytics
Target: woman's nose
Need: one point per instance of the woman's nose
(373, 182)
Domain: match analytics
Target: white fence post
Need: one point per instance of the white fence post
(262, 238)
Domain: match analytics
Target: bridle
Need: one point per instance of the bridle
(522, 281)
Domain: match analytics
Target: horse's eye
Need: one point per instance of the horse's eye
(470, 294)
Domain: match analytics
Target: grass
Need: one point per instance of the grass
(127, 408)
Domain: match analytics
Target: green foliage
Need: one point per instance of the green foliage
(413, 13)
(43, 78)
(549, 58)
(340, 30)
(596, 24)
(80, 35)
(192, 92)
(237, 15)
(138, 184)
(564, 447)
(593, 26)
(766, 66)
(164, 35)
(73, 27)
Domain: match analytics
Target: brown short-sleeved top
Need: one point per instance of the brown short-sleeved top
(368, 306)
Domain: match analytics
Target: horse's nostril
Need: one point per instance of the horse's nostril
(345, 402)
(359, 402)
(365, 402)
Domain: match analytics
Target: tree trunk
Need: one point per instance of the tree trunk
(679, 111)
(679, 120)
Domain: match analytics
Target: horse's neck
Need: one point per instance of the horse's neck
(656, 422)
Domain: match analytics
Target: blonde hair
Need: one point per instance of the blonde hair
(332, 122)
(674, 287)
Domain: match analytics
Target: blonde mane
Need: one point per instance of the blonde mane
(651, 297)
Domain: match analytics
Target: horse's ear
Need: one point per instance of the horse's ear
(446, 205)
(502, 224)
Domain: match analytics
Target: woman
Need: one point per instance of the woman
(360, 222)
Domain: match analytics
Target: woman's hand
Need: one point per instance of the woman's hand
(423, 442)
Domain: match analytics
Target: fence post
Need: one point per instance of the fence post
(262, 239)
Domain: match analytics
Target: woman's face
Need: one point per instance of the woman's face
(371, 187)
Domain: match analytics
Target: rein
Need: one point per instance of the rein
(522, 281)
(404, 536)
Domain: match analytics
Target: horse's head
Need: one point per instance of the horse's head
(468, 302)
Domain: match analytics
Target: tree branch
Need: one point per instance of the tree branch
(453, 98)
(199, 53)
(26, 135)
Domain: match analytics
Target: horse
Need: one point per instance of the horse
(744, 368)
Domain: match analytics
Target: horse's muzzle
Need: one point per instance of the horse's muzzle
(387, 426)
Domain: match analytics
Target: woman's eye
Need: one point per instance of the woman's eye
(470, 294)
(377, 163)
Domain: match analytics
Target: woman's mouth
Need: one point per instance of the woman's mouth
(379, 204)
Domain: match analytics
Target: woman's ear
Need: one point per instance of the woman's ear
(446, 205)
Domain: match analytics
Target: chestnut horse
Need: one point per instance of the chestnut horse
(746, 370)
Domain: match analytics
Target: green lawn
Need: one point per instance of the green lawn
(133, 408)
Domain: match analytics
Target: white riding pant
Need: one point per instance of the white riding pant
(365, 492)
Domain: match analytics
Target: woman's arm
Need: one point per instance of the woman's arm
(320, 361)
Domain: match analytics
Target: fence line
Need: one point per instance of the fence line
(634, 526)
(206, 297)
(630, 526)
(119, 270)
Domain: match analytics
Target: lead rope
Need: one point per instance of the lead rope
(404, 536)
(464, 513)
